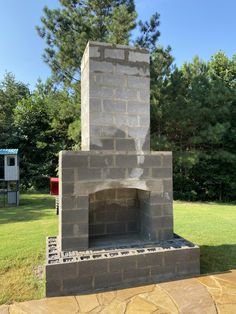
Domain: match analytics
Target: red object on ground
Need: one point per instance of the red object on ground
(54, 186)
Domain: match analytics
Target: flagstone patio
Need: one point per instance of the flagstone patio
(211, 294)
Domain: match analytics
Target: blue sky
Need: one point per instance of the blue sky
(190, 27)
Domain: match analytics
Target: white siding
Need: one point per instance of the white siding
(11, 172)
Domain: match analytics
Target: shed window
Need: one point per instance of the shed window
(10, 161)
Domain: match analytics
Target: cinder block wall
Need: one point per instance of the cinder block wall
(115, 98)
(84, 173)
(114, 211)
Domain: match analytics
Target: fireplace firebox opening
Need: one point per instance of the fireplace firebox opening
(116, 217)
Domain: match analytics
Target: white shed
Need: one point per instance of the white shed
(9, 177)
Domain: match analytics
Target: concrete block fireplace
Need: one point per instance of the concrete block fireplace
(115, 216)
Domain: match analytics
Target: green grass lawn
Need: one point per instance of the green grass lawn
(23, 231)
(213, 227)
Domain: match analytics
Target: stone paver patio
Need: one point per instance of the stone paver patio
(204, 295)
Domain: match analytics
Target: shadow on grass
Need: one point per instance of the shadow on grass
(32, 207)
(217, 258)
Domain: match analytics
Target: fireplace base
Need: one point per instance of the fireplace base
(123, 265)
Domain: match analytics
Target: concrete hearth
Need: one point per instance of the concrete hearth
(116, 216)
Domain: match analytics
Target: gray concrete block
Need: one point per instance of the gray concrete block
(138, 132)
(167, 160)
(102, 144)
(114, 106)
(95, 91)
(152, 161)
(136, 273)
(126, 161)
(53, 287)
(155, 210)
(138, 107)
(155, 271)
(125, 145)
(145, 143)
(138, 57)
(144, 95)
(101, 119)
(139, 82)
(89, 174)
(74, 229)
(166, 234)
(99, 66)
(194, 254)
(124, 93)
(77, 284)
(101, 161)
(174, 257)
(67, 174)
(144, 120)
(67, 188)
(114, 173)
(107, 92)
(189, 268)
(76, 215)
(113, 80)
(82, 202)
(121, 263)
(132, 70)
(61, 271)
(163, 222)
(107, 280)
(138, 173)
(160, 198)
(148, 260)
(74, 244)
(170, 269)
(167, 209)
(94, 52)
(95, 131)
(132, 120)
(95, 104)
(92, 267)
(70, 161)
(114, 132)
(68, 202)
(168, 185)
(120, 119)
(116, 54)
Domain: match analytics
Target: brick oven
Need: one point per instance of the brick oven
(115, 195)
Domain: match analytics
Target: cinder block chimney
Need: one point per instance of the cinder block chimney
(115, 98)
(115, 216)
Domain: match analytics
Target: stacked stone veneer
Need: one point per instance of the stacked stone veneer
(115, 186)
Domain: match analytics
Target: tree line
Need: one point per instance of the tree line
(193, 107)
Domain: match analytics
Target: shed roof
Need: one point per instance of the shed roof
(8, 151)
